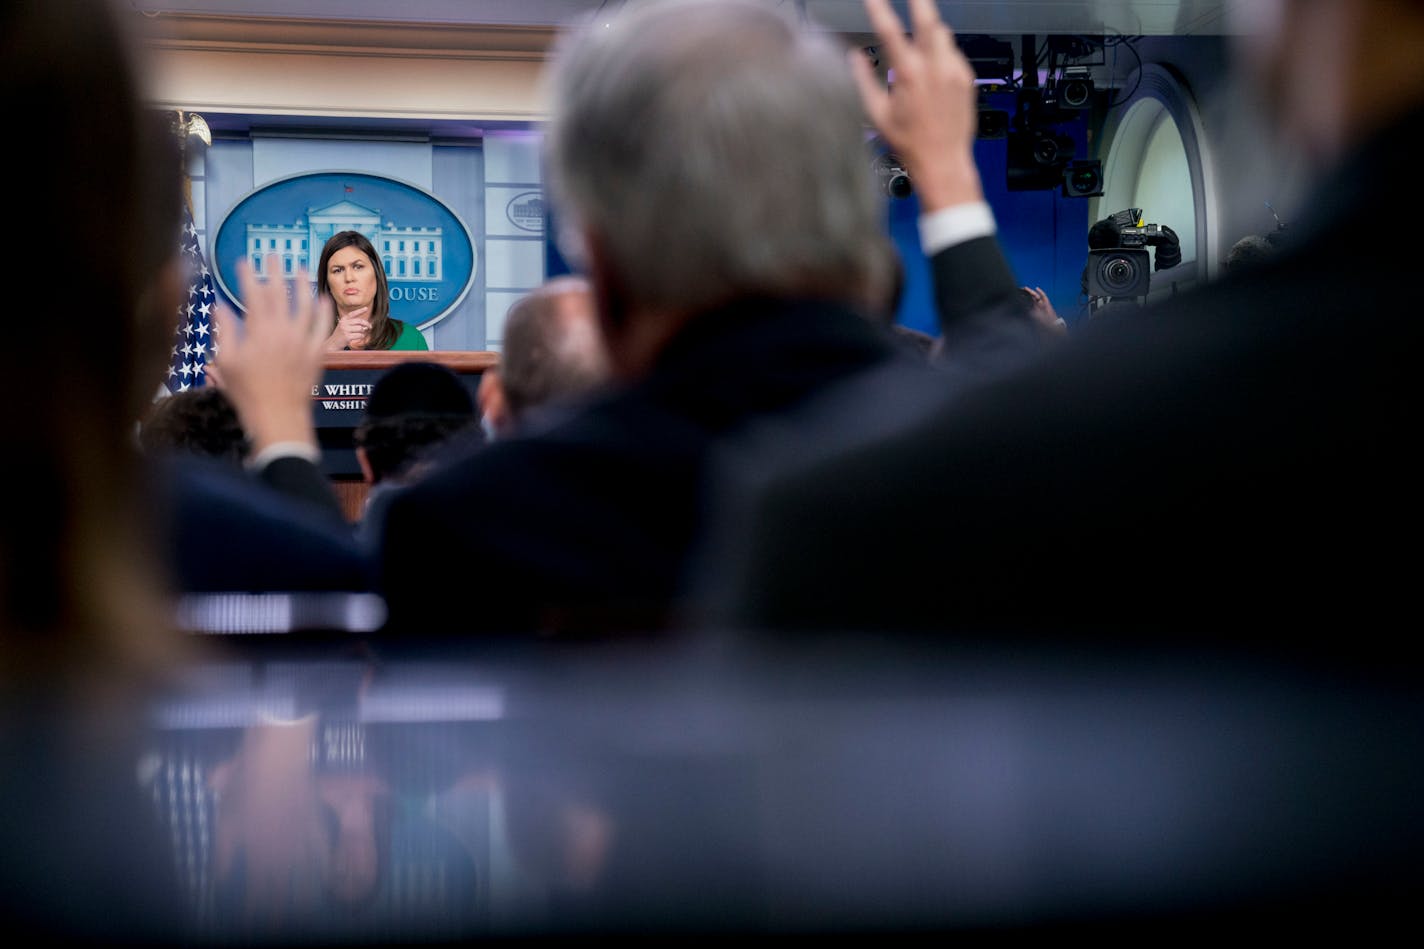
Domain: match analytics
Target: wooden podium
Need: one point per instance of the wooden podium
(339, 404)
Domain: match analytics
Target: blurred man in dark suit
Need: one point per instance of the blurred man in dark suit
(709, 165)
(1224, 468)
(417, 413)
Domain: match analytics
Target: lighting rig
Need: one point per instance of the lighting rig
(1053, 88)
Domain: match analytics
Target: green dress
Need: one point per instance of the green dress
(409, 337)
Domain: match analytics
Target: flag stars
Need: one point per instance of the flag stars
(194, 336)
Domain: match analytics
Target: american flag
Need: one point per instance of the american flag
(194, 343)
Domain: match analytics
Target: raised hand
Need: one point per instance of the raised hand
(1043, 313)
(270, 361)
(929, 115)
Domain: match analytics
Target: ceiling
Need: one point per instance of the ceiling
(524, 28)
(1129, 17)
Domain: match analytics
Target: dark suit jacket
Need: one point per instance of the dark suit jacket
(1231, 465)
(583, 525)
(225, 531)
(587, 525)
(300, 479)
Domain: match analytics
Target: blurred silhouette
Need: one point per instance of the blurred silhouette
(553, 354)
(416, 413)
(721, 209)
(1043, 312)
(201, 421)
(413, 408)
(85, 632)
(1249, 251)
(1218, 472)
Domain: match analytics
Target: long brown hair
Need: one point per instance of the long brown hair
(80, 588)
(384, 330)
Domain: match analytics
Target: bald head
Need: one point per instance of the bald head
(553, 352)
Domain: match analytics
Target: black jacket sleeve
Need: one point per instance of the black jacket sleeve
(984, 319)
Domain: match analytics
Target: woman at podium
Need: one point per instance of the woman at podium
(350, 272)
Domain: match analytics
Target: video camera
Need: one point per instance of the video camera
(894, 179)
(1147, 235)
(1118, 258)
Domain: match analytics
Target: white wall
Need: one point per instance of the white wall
(1252, 168)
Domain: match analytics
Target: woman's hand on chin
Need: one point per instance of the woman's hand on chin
(353, 330)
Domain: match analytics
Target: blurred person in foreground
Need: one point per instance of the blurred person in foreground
(415, 413)
(86, 637)
(709, 167)
(199, 421)
(553, 355)
(1221, 472)
(1250, 251)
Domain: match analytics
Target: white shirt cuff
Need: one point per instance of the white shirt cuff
(943, 229)
(284, 450)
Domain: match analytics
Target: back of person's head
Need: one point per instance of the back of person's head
(414, 408)
(714, 149)
(1250, 251)
(71, 557)
(199, 421)
(553, 351)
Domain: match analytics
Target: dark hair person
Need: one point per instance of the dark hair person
(350, 271)
(201, 421)
(85, 629)
(414, 408)
(71, 586)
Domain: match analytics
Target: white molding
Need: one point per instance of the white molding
(346, 69)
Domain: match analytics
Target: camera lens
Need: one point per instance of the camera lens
(1118, 273)
(900, 186)
(1076, 93)
(1045, 150)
